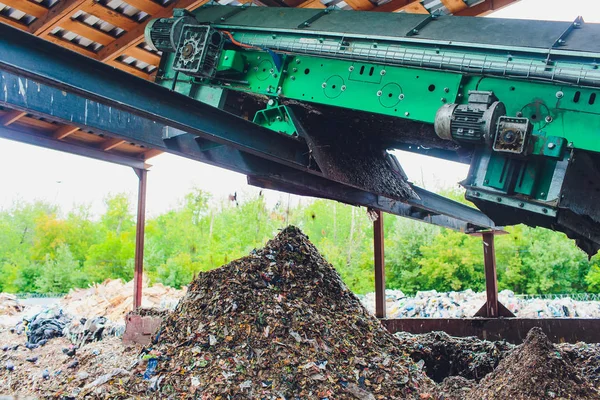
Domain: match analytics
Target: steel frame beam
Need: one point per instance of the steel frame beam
(138, 275)
(379, 263)
(46, 80)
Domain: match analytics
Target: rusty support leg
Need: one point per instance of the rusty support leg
(491, 282)
(492, 307)
(139, 238)
(379, 266)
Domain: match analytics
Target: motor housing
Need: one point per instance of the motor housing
(474, 122)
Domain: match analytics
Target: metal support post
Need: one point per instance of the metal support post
(379, 265)
(139, 238)
(492, 307)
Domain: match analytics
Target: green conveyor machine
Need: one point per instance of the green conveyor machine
(517, 100)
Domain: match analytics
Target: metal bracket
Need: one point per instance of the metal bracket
(415, 31)
(315, 17)
(562, 39)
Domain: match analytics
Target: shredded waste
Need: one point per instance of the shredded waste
(537, 369)
(278, 323)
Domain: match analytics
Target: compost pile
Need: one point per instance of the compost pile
(535, 370)
(278, 323)
(445, 355)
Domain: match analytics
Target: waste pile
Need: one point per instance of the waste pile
(9, 304)
(278, 323)
(535, 370)
(113, 299)
(464, 304)
(43, 326)
(444, 355)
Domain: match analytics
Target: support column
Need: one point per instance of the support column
(379, 265)
(139, 238)
(492, 307)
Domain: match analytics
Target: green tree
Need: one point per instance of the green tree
(58, 273)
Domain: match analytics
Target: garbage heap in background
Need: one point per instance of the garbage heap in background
(279, 323)
(464, 304)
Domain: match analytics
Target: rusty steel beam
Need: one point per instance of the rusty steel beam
(378, 253)
(138, 275)
(513, 330)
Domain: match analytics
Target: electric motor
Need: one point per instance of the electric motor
(474, 122)
(163, 34)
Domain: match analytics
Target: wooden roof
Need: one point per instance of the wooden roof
(112, 31)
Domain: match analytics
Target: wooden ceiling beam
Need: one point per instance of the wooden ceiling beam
(11, 117)
(143, 55)
(64, 131)
(13, 22)
(109, 15)
(110, 144)
(62, 10)
(28, 7)
(71, 46)
(484, 8)
(130, 68)
(136, 36)
(361, 5)
(312, 4)
(87, 31)
(147, 6)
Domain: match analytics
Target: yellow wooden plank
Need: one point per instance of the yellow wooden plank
(28, 7)
(83, 29)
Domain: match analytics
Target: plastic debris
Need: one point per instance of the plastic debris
(433, 304)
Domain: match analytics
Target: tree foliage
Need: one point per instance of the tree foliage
(44, 250)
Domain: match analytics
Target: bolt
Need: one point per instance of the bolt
(278, 118)
(499, 199)
(551, 146)
(306, 24)
(379, 93)
(559, 94)
(415, 31)
(570, 145)
(519, 114)
(293, 78)
(324, 85)
(521, 205)
(548, 119)
(258, 57)
(271, 70)
(351, 68)
(382, 72)
(295, 69)
(443, 99)
(297, 61)
(477, 194)
(542, 194)
(486, 181)
(406, 114)
(545, 210)
(343, 88)
(274, 36)
(446, 90)
(256, 68)
(459, 95)
(274, 75)
(401, 97)
(226, 57)
(271, 102)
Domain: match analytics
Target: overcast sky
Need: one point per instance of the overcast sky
(29, 172)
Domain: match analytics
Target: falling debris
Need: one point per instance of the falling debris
(535, 370)
(278, 323)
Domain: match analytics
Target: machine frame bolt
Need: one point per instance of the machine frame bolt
(559, 94)
(379, 93)
(324, 85)
(551, 146)
(548, 119)
(351, 68)
(382, 72)
(401, 97)
(406, 114)
(343, 88)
